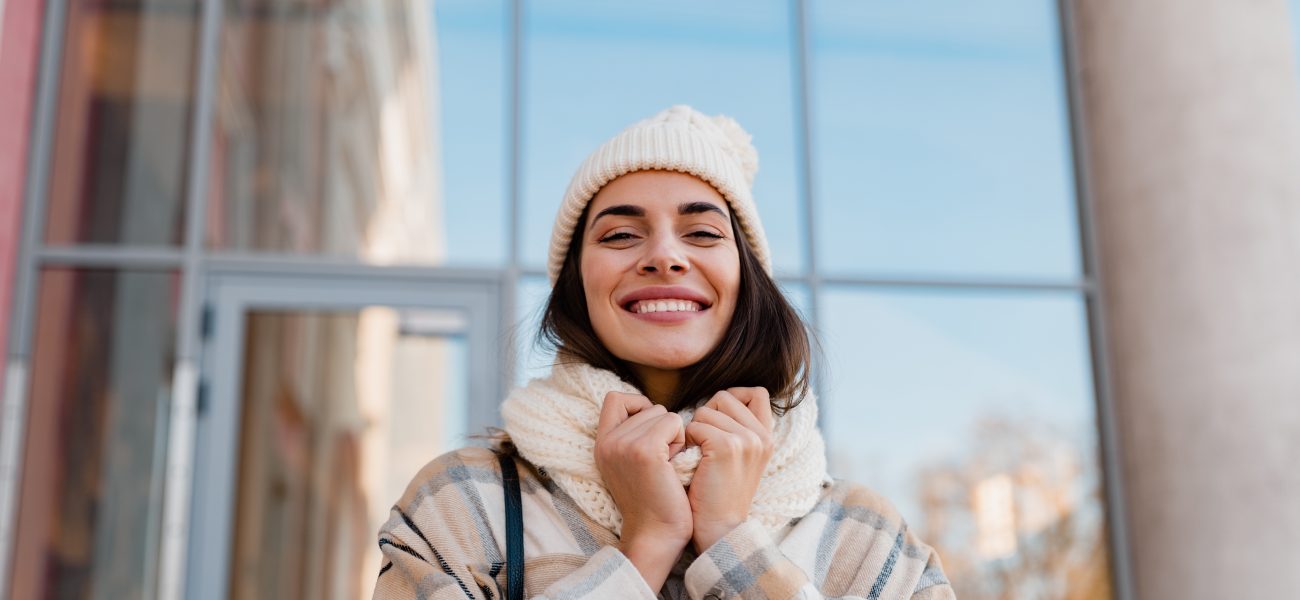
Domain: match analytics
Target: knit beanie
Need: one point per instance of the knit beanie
(715, 149)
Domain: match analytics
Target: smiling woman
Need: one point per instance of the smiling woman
(673, 451)
(651, 250)
(660, 238)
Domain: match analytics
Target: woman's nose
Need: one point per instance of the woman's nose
(663, 256)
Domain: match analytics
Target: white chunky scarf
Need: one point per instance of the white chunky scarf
(552, 421)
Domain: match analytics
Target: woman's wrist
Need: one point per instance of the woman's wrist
(653, 556)
(705, 536)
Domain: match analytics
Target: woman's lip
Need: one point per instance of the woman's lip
(664, 292)
(667, 316)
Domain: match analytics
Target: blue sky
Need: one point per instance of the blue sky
(941, 149)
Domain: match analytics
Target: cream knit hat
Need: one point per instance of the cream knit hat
(715, 149)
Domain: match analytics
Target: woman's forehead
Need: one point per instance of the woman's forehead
(660, 191)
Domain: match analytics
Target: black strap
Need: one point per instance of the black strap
(514, 528)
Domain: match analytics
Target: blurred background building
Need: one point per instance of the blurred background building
(260, 260)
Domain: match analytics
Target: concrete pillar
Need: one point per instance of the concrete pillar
(1192, 131)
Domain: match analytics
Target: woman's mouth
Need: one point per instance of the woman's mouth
(665, 310)
(665, 303)
(661, 306)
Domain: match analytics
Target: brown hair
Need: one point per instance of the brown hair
(767, 344)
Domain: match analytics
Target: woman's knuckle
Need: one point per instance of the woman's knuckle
(602, 454)
(640, 452)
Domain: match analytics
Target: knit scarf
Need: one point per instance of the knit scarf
(552, 421)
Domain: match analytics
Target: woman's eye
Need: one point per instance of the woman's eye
(616, 237)
(709, 235)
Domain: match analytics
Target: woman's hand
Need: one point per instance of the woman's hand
(734, 432)
(635, 439)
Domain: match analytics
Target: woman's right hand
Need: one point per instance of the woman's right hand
(635, 439)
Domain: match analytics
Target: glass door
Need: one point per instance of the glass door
(324, 395)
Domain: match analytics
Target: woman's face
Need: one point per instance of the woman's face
(660, 268)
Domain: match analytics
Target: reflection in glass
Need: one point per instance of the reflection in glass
(799, 297)
(122, 130)
(531, 359)
(1295, 30)
(973, 412)
(593, 68)
(329, 131)
(90, 499)
(470, 47)
(340, 410)
(941, 137)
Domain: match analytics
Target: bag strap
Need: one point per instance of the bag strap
(514, 528)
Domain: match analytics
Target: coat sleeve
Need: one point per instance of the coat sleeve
(746, 563)
(439, 544)
(416, 569)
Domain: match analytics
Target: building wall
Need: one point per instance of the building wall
(1193, 129)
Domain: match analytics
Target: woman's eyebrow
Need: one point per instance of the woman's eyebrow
(620, 210)
(632, 210)
(693, 208)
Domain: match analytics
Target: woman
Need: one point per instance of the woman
(673, 451)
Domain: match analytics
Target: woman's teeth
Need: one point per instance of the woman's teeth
(649, 306)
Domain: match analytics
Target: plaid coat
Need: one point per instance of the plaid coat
(446, 540)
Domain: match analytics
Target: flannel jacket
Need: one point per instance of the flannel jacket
(445, 540)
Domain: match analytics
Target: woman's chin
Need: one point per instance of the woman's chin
(677, 359)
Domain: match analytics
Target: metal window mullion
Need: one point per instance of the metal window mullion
(105, 255)
(254, 263)
(1081, 285)
(802, 98)
(514, 271)
(514, 102)
(1116, 511)
(185, 379)
(25, 288)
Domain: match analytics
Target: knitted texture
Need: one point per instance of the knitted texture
(680, 138)
(552, 421)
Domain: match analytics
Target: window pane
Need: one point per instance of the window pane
(91, 498)
(470, 44)
(799, 297)
(329, 134)
(122, 131)
(1295, 30)
(942, 139)
(593, 68)
(340, 410)
(974, 413)
(531, 360)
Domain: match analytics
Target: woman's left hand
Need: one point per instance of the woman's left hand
(734, 432)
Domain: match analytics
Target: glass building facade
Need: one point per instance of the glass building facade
(278, 254)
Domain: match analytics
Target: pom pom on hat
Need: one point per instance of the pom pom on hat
(714, 148)
(741, 145)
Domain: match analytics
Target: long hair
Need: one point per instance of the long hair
(766, 345)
